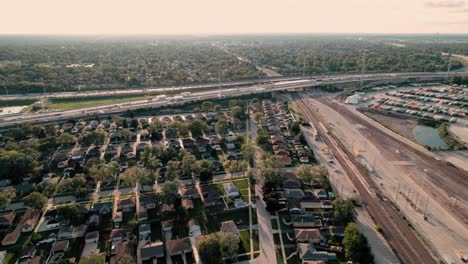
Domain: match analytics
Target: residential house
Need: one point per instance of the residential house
(229, 227)
(306, 221)
(152, 251)
(102, 208)
(7, 219)
(179, 246)
(320, 194)
(59, 248)
(167, 208)
(144, 231)
(210, 195)
(126, 204)
(231, 190)
(92, 237)
(194, 227)
(27, 254)
(337, 231)
(28, 220)
(188, 204)
(308, 235)
(148, 201)
(167, 225)
(190, 193)
(11, 238)
(117, 218)
(308, 254)
(120, 249)
(70, 232)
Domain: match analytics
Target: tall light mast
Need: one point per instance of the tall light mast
(363, 66)
(448, 67)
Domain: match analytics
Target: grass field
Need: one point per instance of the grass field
(74, 103)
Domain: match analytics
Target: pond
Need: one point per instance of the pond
(428, 136)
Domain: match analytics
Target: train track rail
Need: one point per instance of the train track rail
(406, 245)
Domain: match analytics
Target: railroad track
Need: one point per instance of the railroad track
(407, 247)
(448, 178)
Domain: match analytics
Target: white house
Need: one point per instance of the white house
(231, 190)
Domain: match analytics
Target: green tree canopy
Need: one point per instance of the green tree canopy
(209, 250)
(356, 246)
(35, 200)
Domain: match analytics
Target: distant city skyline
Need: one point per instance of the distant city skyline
(177, 17)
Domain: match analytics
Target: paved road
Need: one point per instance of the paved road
(265, 232)
(55, 116)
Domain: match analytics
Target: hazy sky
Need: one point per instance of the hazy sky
(234, 16)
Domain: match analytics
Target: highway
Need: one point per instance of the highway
(279, 84)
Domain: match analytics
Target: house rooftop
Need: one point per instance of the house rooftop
(154, 249)
(61, 245)
(92, 235)
(177, 245)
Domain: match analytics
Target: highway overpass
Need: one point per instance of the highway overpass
(279, 84)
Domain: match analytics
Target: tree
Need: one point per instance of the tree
(94, 137)
(229, 245)
(207, 106)
(248, 152)
(305, 174)
(16, 164)
(258, 117)
(181, 128)
(134, 174)
(35, 200)
(169, 191)
(206, 175)
(94, 259)
(263, 139)
(270, 169)
(188, 164)
(344, 211)
(356, 246)
(217, 107)
(272, 205)
(210, 251)
(70, 213)
(236, 111)
(134, 123)
(321, 175)
(104, 172)
(197, 127)
(221, 126)
(172, 171)
(6, 195)
(66, 140)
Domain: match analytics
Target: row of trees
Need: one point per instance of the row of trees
(217, 247)
(72, 64)
(340, 55)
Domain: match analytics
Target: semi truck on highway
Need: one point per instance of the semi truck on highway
(186, 94)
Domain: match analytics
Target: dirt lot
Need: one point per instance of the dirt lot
(397, 125)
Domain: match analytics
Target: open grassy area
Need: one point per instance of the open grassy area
(80, 102)
(8, 103)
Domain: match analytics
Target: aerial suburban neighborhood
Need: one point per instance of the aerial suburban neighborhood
(216, 132)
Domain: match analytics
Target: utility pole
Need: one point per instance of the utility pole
(448, 68)
(304, 66)
(363, 66)
(219, 79)
(417, 200)
(396, 197)
(425, 208)
(6, 89)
